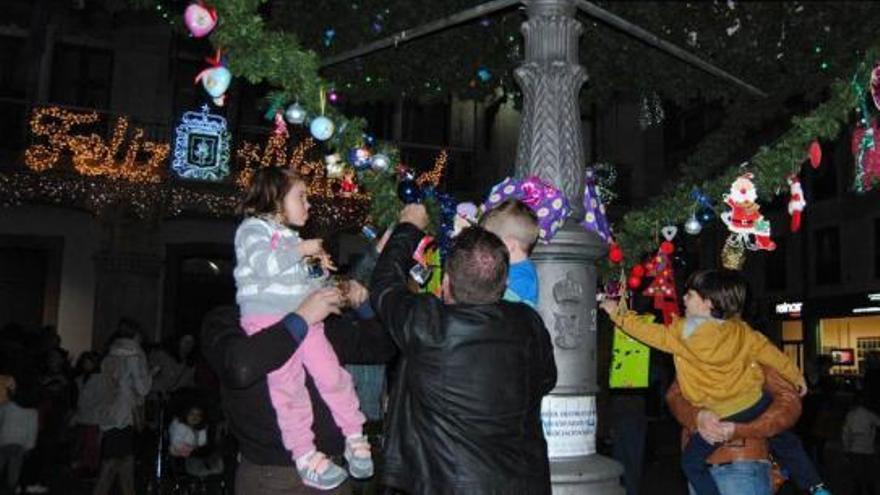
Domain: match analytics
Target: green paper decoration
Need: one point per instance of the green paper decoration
(630, 361)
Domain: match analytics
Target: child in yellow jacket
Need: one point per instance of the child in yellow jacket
(717, 357)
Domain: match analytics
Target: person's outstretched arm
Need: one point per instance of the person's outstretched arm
(389, 294)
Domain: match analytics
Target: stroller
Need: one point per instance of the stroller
(175, 475)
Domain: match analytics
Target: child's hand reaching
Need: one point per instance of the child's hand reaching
(609, 305)
(311, 247)
(326, 262)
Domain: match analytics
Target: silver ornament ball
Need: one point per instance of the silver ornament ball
(380, 162)
(693, 226)
(295, 114)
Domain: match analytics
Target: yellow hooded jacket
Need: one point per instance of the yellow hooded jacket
(718, 364)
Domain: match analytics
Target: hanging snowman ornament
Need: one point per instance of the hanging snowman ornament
(199, 19)
(215, 79)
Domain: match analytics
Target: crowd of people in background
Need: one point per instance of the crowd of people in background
(100, 420)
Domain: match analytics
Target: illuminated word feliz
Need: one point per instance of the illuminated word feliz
(92, 154)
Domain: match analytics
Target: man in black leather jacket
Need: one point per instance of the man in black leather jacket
(465, 408)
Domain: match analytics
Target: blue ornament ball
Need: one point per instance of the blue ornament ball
(322, 128)
(705, 215)
(359, 158)
(408, 191)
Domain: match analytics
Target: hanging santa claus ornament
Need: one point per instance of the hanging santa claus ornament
(744, 220)
(796, 202)
(815, 154)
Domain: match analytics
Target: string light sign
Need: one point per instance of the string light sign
(138, 161)
(201, 147)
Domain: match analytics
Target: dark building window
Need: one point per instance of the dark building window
(827, 255)
(877, 247)
(187, 95)
(82, 76)
(13, 76)
(775, 272)
(13, 67)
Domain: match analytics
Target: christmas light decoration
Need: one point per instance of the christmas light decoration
(201, 148)
(433, 176)
(92, 155)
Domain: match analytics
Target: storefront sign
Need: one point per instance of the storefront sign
(789, 308)
(569, 425)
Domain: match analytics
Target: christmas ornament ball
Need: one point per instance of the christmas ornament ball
(638, 271)
(408, 191)
(359, 158)
(667, 247)
(693, 226)
(615, 254)
(634, 282)
(381, 162)
(295, 114)
(322, 128)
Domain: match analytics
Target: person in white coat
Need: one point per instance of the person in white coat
(125, 381)
(18, 434)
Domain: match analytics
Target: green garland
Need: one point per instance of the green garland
(262, 55)
(277, 58)
(770, 166)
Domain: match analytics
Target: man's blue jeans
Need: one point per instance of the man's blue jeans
(742, 478)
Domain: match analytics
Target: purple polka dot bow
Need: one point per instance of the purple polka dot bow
(549, 204)
(594, 211)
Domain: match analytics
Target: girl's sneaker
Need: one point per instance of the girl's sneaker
(357, 454)
(321, 473)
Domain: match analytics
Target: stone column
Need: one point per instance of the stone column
(551, 147)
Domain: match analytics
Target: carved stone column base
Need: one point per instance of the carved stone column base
(567, 275)
(593, 474)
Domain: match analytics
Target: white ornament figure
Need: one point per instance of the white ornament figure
(796, 203)
(335, 166)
